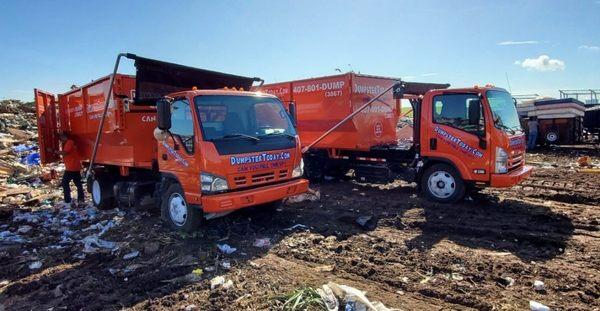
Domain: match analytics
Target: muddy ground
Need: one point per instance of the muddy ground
(412, 255)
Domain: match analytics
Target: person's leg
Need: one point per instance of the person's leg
(66, 179)
(79, 185)
(533, 140)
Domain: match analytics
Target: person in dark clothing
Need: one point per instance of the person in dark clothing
(72, 169)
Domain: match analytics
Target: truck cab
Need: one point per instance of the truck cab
(224, 150)
(189, 141)
(468, 137)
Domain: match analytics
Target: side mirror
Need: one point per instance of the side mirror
(292, 113)
(398, 90)
(163, 114)
(474, 112)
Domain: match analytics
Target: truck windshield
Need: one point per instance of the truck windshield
(242, 117)
(504, 111)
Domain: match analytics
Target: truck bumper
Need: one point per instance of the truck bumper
(236, 200)
(512, 178)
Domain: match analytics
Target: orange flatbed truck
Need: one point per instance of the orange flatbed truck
(188, 140)
(462, 138)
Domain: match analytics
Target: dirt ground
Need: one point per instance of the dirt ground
(482, 254)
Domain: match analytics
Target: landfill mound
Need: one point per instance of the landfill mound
(344, 246)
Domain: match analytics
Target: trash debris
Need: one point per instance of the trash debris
(326, 268)
(226, 249)
(7, 237)
(226, 265)
(151, 248)
(584, 161)
(309, 195)
(35, 265)
(507, 281)
(296, 226)
(264, 242)
(24, 229)
(331, 302)
(367, 222)
(536, 306)
(354, 299)
(93, 242)
(539, 286)
(131, 255)
(219, 281)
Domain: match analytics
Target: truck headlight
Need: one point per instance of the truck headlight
(210, 183)
(298, 170)
(501, 161)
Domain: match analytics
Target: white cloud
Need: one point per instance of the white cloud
(590, 47)
(429, 74)
(518, 42)
(542, 63)
(408, 78)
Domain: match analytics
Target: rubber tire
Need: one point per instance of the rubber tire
(460, 188)
(194, 215)
(314, 168)
(555, 132)
(107, 197)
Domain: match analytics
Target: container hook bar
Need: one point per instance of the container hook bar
(350, 116)
(106, 102)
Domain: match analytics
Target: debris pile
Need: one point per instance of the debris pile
(23, 182)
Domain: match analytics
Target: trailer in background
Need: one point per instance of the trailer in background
(560, 121)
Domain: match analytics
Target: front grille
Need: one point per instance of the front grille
(247, 180)
(516, 160)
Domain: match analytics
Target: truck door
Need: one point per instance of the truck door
(457, 133)
(47, 121)
(176, 153)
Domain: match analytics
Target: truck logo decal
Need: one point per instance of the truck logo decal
(178, 158)
(457, 143)
(517, 141)
(258, 158)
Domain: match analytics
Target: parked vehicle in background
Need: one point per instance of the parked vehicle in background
(468, 137)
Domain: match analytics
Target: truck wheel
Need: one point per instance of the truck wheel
(551, 137)
(101, 190)
(177, 213)
(442, 183)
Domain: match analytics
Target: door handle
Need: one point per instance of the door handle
(433, 143)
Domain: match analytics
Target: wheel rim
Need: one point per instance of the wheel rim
(177, 209)
(441, 184)
(96, 193)
(551, 137)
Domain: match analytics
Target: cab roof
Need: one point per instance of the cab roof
(221, 92)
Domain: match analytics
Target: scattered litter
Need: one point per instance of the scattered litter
(35, 265)
(539, 286)
(226, 249)
(93, 242)
(226, 265)
(151, 248)
(7, 237)
(331, 302)
(219, 281)
(24, 229)
(131, 255)
(265, 242)
(536, 306)
(584, 161)
(507, 281)
(367, 222)
(309, 195)
(326, 268)
(355, 299)
(296, 226)
(198, 271)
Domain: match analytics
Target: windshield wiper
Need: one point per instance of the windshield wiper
(284, 134)
(512, 131)
(238, 135)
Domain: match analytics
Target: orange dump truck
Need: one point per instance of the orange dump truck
(188, 140)
(461, 138)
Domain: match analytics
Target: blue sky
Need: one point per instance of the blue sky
(53, 44)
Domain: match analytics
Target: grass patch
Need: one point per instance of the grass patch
(304, 298)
